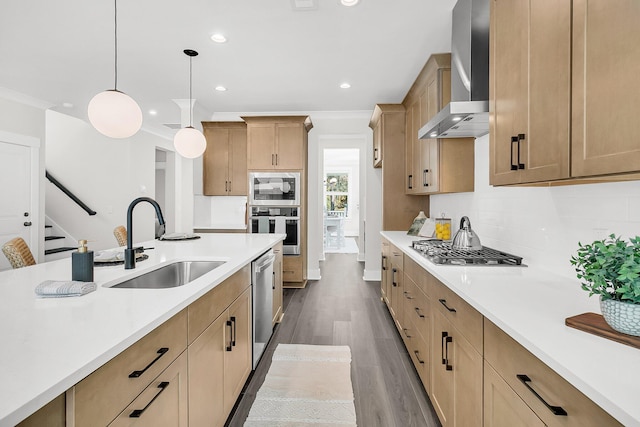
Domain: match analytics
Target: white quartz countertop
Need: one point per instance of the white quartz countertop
(50, 344)
(531, 305)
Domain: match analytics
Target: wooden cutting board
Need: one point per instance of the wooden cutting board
(595, 324)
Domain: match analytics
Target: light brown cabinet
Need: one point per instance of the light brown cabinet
(434, 166)
(224, 161)
(277, 285)
(559, 102)
(398, 208)
(278, 143)
(396, 289)
(551, 398)
(220, 356)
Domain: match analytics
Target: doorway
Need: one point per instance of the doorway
(341, 200)
(165, 193)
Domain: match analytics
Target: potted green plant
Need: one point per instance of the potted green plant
(610, 268)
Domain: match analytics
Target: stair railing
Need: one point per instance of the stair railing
(66, 191)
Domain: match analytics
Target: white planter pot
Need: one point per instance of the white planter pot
(622, 316)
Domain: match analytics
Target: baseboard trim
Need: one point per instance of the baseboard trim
(314, 274)
(371, 276)
(360, 257)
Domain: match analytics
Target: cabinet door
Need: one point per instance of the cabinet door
(529, 90)
(206, 373)
(457, 380)
(502, 406)
(261, 139)
(215, 162)
(430, 161)
(237, 363)
(606, 61)
(163, 403)
(411, 152)
(289, 146)
(238, 180)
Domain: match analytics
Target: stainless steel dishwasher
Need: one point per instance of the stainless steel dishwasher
(262, 291)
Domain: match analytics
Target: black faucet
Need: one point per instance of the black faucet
(130, 252)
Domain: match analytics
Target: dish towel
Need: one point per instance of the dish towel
(263, 224)
(281, 225)
(59, 289)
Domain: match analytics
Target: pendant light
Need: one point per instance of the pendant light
(114, 113)
(190, 142)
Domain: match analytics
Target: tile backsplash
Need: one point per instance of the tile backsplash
(542, 224)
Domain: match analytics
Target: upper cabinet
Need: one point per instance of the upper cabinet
(277, 143)
(225, 159)
(434, 165)
(544, 127)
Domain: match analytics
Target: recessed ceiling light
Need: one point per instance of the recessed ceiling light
(153, 112)
(67, 105)
(457, 119)
(349, 2)
(218, 38)
(221, 88)
(345, 86)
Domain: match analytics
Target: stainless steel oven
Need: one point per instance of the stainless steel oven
(274, 189)
(277, 219)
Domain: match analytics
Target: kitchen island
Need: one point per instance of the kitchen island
(50, 344)
(530, 305)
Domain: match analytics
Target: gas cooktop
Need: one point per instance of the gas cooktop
(440, 252)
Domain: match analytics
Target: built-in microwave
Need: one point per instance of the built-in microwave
(274, 189)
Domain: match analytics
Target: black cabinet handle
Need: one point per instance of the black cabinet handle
(226, 188)
(235, 332)
(514, 167)
(384, 263)
(520, 139)
(27, 224)
(161, 352)
(138, 412)
(405, 330)
(375, 154)
(406, 295)
(556, 410)
(230, 325)
(419, 314)
(410, 183)
(417, 353)
(444, 336)
(273, 281)
(424, 178)
(393, 277)
(229, 186)
(272, 160)
(444, 302)
(447, 340)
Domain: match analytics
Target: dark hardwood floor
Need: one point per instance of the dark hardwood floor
(342, 309)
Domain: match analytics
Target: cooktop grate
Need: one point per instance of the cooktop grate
(440, 252)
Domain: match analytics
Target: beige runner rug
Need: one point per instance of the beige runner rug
(306, 385)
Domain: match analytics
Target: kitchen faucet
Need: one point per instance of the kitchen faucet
(130, 252)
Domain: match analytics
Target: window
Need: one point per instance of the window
(337, 194)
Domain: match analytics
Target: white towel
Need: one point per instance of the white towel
(281, 225)
(59, 289)
(263, 224)
(109, 256)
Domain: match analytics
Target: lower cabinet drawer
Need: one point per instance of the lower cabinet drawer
(101, 396)
(163, 403)
(292, 268)
(551, 397)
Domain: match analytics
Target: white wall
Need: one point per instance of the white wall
(106, 174)
(542, 224)
(26, 116)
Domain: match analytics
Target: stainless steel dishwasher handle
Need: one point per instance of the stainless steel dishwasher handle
(265, 264)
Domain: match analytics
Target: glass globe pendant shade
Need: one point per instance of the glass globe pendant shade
(115, 114)
(189, 142)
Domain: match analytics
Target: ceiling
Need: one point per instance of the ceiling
(276, 59)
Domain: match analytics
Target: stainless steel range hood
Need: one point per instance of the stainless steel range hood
(467, 115)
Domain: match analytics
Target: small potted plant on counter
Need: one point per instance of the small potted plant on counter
(610, 268)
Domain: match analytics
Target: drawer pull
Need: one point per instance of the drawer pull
(514, 139)
(393, 277)
(407, 296)
(521, 137)
(230, 325)
(444, 335)
(417, 353)
(234, 331)
(556, 410)
(405, 330)
(138, 412)
(137, 374)
(447, 340)
(444, 302)
(384, 263)
(418, 312)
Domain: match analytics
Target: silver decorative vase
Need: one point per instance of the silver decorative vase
(622, 316)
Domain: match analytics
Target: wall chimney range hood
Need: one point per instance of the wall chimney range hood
(467, 115)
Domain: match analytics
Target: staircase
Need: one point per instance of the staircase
(57, 243)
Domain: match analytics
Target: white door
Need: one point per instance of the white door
(15, 196)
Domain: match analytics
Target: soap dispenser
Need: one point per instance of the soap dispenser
(82, 263)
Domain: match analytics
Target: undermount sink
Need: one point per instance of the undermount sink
(171, 275)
